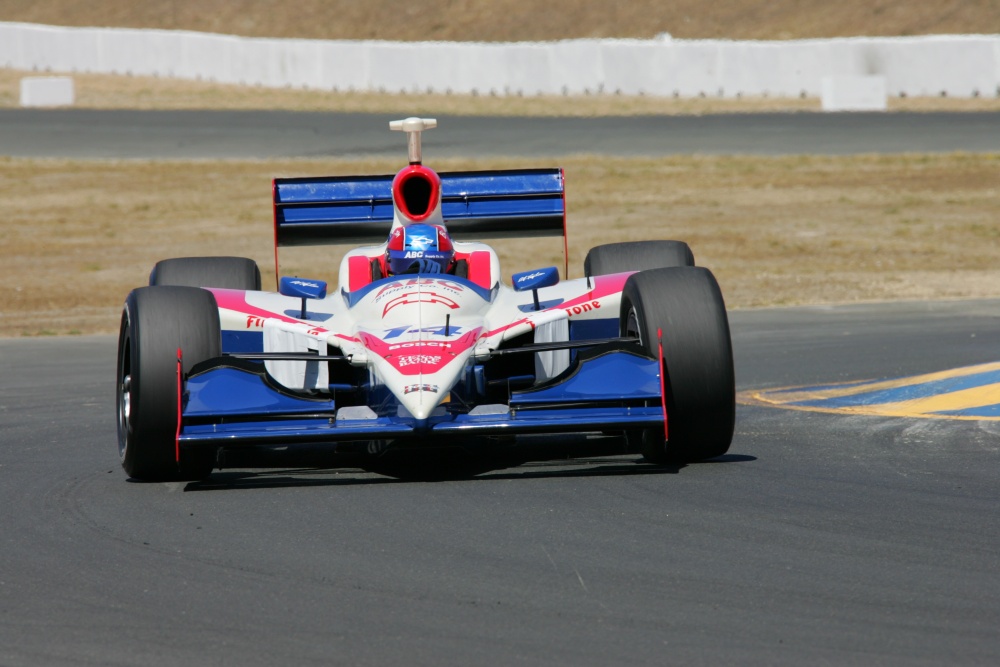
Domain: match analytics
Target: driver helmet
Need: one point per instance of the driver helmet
(419, 248)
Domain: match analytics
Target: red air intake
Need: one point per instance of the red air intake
(415, 192)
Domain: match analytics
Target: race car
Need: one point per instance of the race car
(422, 346)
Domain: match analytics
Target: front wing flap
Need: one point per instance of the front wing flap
(233, 403)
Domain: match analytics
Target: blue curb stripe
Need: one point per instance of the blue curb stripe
(907, 393)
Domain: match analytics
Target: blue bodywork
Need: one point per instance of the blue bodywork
(234, 403)
(475, 205)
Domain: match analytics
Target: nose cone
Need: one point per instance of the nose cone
(420, 381)
(420, 400)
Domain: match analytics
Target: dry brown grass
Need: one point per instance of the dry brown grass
(523, 20)
(77, 235)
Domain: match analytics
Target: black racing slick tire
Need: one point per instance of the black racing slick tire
(636, 256)
(682, 309)
(223, 272)
(156, 322)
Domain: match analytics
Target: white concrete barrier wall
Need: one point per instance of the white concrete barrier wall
(853, 93)
(47, 91)
(955, 65)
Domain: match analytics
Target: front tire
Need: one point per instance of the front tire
(685, 304)
(156, 321)
(636, 256)
(223, 272)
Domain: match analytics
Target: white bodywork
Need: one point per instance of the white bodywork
(416, 334)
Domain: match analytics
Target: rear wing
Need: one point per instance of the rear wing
(475, 205)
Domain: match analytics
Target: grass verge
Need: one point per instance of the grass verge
(77, 235)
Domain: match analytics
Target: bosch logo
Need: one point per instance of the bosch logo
(420, 343)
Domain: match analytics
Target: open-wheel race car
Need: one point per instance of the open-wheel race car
(422, 348)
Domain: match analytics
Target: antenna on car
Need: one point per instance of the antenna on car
(413, 126)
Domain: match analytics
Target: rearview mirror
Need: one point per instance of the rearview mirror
(534, 281)
(302, 288)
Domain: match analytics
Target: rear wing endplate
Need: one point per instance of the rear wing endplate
(475, 205)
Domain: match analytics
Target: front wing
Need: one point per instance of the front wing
(233, 403)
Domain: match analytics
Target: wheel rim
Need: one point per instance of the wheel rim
(124, 400)
(632, 329)
(125, 405)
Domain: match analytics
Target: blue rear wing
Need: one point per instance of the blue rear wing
(475, 205)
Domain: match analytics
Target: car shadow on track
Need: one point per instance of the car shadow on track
(553, 469)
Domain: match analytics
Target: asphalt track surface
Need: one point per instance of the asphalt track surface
(819, 539)
(78, 133)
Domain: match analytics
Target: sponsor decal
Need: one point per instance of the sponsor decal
(583, 308)
(257, 322)
(398, 285)
(409, 389)
(437, 331)
(419, 242)
(415, 357)
(303, 283)
(408, 360)
(530, 276)
(418, 297)
(419, 343)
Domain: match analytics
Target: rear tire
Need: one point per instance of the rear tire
(636, 256)
(686, 304)
(156, 322)
(223, 272)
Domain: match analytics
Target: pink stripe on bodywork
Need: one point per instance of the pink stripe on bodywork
(603, 286)
(420, 356)
(236, 300)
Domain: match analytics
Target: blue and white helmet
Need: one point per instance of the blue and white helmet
(419, 248)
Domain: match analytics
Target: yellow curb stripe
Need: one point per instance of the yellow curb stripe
(813, 394)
